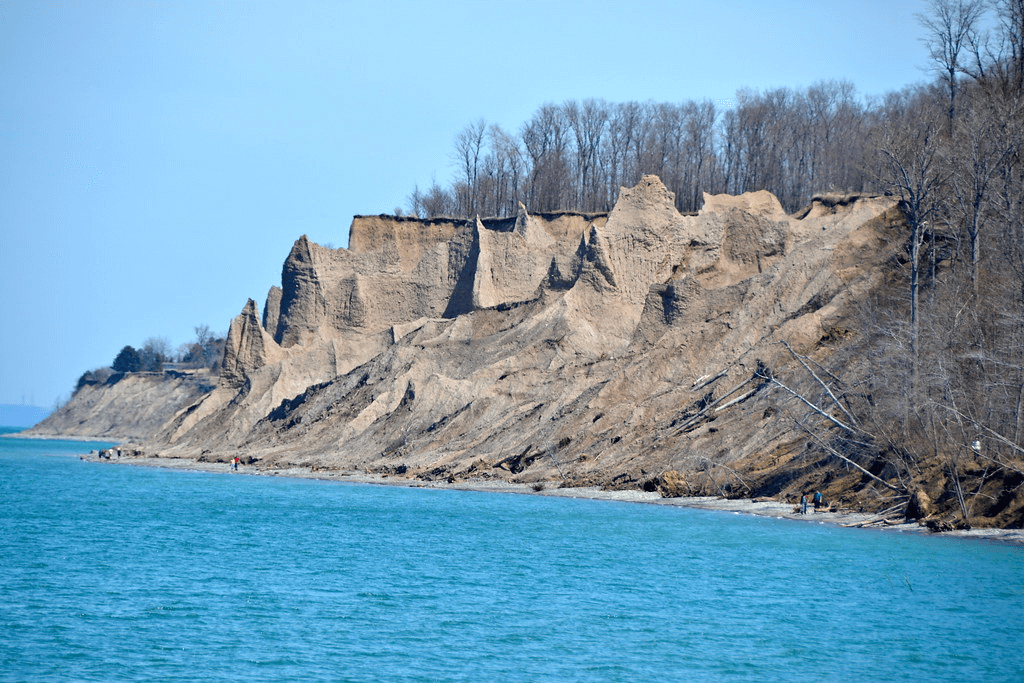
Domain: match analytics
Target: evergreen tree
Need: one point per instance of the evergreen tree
(128, 360)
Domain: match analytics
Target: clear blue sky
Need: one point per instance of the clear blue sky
(158, 159)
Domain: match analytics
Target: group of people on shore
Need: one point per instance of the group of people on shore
(818, 502)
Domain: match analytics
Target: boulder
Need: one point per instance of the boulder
(920, 505)
(672, 484)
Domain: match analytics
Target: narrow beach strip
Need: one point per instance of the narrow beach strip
(761, 507)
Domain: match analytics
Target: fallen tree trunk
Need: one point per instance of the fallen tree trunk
(847, 460)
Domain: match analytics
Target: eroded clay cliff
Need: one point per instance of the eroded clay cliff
(639, 348)
(604, 349)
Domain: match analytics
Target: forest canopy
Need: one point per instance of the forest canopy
(793, 142)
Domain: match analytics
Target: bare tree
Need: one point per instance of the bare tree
(951, 27)
(545, 140)
(155, 352)
(589, 121)
(911, 167)
(699, 147)
(434, 202)
(206, 351)
(981, 143)
(504, 168)
(469, 146)
(1006, 63)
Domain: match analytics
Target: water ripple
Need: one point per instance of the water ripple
(118, 572)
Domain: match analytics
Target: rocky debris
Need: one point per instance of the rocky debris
(118, 452)
(670, 484)
(920, 505)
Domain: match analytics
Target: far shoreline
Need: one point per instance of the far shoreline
(116, 440)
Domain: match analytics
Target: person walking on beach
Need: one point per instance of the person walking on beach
(817, 500)
(803, 503)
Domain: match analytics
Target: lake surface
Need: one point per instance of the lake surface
(118, 572)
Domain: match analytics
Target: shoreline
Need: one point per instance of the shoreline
(760, 507)
(61, 437)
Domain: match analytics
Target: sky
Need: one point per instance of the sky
(159, 159)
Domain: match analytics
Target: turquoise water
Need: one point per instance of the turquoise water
(114, 572)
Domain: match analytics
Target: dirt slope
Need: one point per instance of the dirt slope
(127, 407)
